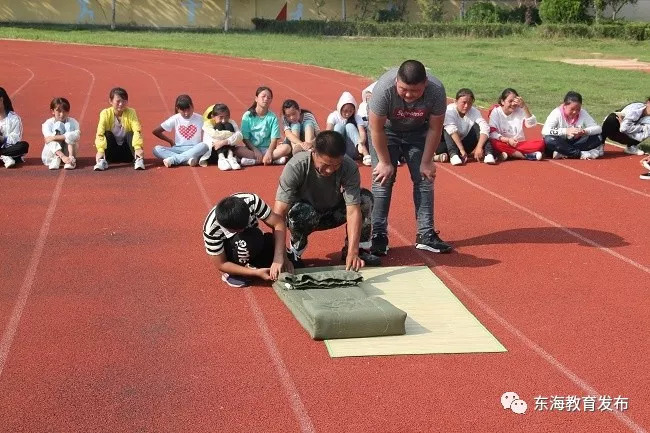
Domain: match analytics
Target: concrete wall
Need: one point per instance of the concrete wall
(209, 13)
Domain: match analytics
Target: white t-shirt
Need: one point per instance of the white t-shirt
(462, 125)
(187, 131)
(511, 126)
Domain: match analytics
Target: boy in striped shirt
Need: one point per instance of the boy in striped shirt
(236, 244)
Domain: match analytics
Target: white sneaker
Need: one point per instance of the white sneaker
(101, 165)
(367, 161)
(223, 164)
(138, 164)
(9, 161)
(247, 162)
(192, 162)
(633, 150)
(646, 164)
(456, 160)
(281, 161)
(441, 157)
(168, 162)
(233, 163)
(55, 163)
(595, 153)
(586, 154)
(601, 150)
(558, 155)
(203, 163)
(504, 156)
(489, 159)
(71, 165)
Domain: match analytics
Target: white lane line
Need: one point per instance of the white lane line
(551, 222)
(297, 406)
(564, 370)
(26, 288)
(15, 92)
(609, 182)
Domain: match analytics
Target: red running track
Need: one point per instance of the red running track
(112, 318)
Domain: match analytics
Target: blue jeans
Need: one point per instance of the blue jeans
(350, 132)
(411, 146)
(180, 153)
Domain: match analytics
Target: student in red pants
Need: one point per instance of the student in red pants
(507, 121)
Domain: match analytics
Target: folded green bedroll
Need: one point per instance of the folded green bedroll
(329, 304)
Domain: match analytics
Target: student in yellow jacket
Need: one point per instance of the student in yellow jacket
(119, 137)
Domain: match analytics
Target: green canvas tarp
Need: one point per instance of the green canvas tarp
(339, 312)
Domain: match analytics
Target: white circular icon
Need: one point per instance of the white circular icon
(507, 398)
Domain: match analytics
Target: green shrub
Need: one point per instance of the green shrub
(563, 11)
(518, 15)
(482, 12)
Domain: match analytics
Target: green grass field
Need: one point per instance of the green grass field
(529, 64)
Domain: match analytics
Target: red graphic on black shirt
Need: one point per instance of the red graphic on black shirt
(405, 113)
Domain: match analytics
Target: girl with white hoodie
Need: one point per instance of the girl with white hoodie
(12, 146)
(570, 132)
(61, 134)
(347, 122)
(629, 126)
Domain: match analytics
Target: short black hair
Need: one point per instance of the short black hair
(119, 92)
(233, 213)
(412, 72)
(464, 92)
(330, 143)
(572, 96)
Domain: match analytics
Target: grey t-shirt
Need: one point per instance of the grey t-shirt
(301, 182)
(402, 116)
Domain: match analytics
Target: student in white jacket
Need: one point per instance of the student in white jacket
(61, 133)
(465, 132)
(12, 146)
(347, 122)
(629, 126)
(570, 132)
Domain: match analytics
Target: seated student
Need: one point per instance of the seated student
(347, 122)
(187, 146)
(237, 246)
(507, 121)
(365, 99)
(465, 132)
(629, 126)
(59, 130)
(300, 126)
(119, 135)
(261, 132)
(570, 132)
(12, 146)
(222, 136)
(321, 190)
(645, 162)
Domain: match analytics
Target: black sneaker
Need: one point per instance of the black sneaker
(365, 255)
(379, 245)
(234, 280)
(295, 259)
(432, 243)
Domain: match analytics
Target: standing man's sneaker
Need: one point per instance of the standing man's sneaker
(139, 164)
(633, 150)
(379, 245)
(101, 165)
(234, 280)
(8, 160)
(432, 243)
